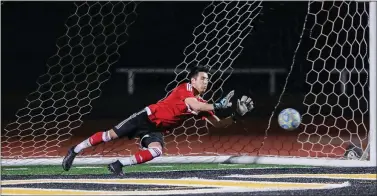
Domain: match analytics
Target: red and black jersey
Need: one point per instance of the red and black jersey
(172, 111)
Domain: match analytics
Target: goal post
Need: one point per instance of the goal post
(373, 82)
(341, 33)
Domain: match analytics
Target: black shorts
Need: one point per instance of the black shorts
(138, 125)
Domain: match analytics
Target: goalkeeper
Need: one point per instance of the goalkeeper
(183, 102)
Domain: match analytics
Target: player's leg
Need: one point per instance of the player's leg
(125, 128)
(93, 140)
(152, 144)
(152, 148)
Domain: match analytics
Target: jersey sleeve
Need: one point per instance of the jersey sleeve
(185, 91)
(204, 115)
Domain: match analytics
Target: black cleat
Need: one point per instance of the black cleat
(68, 159)
(116, 168)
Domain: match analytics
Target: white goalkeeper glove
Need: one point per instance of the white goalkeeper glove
(224, 102)
(244, 105)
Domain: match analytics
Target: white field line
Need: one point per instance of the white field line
(15, 169)
(161, 166)
(88, 167)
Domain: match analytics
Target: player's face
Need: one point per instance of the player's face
(200, 83)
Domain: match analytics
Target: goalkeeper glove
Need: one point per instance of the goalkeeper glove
(224, 102)
(243, 106)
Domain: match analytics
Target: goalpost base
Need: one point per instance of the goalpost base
(200, 159)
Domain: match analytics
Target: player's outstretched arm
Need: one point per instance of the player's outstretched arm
(196, 105)
(243, 106)
(205, 107)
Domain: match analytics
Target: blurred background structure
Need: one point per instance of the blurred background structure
(156, 40)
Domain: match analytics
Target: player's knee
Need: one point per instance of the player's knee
(151, 140)
(112, 134)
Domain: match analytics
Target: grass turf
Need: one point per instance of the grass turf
(101, 169)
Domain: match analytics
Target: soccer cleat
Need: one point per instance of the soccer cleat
(68, 159)
(116, 168)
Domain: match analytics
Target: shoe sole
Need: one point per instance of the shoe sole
(112, 170)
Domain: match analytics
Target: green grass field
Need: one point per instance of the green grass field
(101, 169)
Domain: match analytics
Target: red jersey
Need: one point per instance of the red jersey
(172, 111)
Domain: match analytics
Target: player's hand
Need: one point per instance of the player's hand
(225, 102)
(244, 105)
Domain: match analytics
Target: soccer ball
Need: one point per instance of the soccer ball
(289, 119)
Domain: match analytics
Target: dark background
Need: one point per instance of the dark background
(157, 39)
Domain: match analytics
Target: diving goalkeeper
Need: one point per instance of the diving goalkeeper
(183, 102)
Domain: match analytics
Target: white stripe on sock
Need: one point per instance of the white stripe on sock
(155, 152)
(106, 136)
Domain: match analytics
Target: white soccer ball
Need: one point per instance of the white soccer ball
(289, 119)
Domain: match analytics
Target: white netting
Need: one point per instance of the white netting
(217, 43)
(94, 33)
(336, 100)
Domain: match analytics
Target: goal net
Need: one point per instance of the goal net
(76, 72)
(333, 51)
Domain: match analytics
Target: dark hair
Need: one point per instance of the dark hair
(195, 70)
